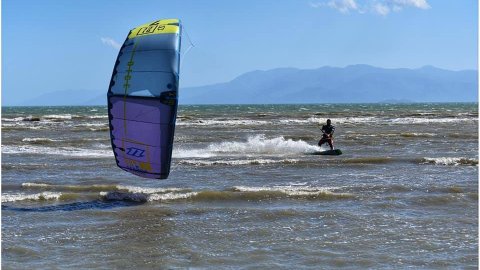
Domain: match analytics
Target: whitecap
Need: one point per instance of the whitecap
(38, 196)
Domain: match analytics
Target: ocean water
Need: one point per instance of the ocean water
(244, 191)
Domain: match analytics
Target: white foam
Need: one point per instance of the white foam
(38, 196)
(39, 140)
(147, 194)
(92, 125)
(98, 116)
(16, 119)
(290, 190)
(247, 122)
(23, 125)
(147, 190)
(218, 122)
(58, 116)
(252, 147)
(171, 196)
(28, 184)
(236, 162)
(455, 161)
(340, 120)
(419, 120)
(63, 151)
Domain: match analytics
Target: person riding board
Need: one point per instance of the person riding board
(327, 136)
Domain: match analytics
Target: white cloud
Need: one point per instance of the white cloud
(379, 7)
(421, 4)
(110, 42)
(344, 6)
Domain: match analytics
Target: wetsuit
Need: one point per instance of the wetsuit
(327, 135)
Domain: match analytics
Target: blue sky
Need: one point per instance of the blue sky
(50, 45)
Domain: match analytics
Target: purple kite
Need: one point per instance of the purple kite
(143, 99)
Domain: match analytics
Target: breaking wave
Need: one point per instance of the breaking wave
(254, 146)
(188, 121)
(31, 197)
(63, 151)
(40, 140)
(453, 161)
(148, 194)
(237, 162)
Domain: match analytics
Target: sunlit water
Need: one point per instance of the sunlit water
(244, 191)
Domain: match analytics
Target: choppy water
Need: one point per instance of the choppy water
(243, 191)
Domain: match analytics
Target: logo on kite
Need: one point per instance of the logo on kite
(135, 152)
(151, 29)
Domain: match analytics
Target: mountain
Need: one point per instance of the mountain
(356, 83)
(351, 84)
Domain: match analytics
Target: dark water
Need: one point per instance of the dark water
(244, 191)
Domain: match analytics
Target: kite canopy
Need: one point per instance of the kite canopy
(142, 98)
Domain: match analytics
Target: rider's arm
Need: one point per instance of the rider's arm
(332, 131)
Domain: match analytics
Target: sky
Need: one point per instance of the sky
(54, 45)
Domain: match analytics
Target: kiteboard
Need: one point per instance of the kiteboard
(335, 152)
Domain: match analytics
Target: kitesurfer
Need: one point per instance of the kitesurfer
(327, 136)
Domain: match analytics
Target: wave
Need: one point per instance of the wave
(149, 190)
(124, 196)
(69, 188)
(19, 119)
(296, 191)
(220, 122)
(237, 162)
(242, 193)
(97, 116)
(417, 135)
(171, 196)
(453, 161)
(23, 166)
(190, 121)
(255, 145)
(31, 197)
(40, 140)
(100, 129)
(370, 160)
(59, 117)
(149, 194)
(444, 199)
(63, 151)
(353, 135)
(88, 125)
(421, 120)
(98, 142)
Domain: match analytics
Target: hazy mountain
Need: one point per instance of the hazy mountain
(356, 83)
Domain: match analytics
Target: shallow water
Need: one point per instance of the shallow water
(244, 191)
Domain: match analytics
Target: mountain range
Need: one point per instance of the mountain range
(351, 84)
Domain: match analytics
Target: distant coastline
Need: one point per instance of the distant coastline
(352, 84)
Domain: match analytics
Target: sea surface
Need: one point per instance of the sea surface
(245, 191)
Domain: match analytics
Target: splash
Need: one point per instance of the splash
(254, 146)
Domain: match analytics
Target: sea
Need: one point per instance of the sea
(245, 191)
